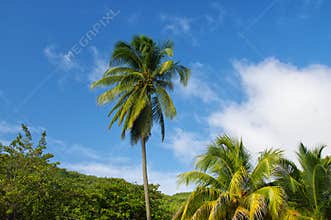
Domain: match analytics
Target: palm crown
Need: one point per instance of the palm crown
(140, 77)
(309, 187)
(229, 187)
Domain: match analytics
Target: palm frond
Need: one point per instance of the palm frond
(183, 72)
(167, 48)
(119, 103)
(166, 102)
(138, 106)
(118, 70)
(292, 214)
(275, 196)
(266, 166)
(241, 214)
(167, 84)
(107, 81)
(165, 67)
(128, 104)
(222, 208)
(124, 53)
(199, 178)
(238, 181)
(178, 215)
(257, 206)
(142, 126)
(197, 199)
(158, 115)
(204, 211)
(110, 95)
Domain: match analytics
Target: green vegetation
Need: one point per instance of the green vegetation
(32, 187)
(139, 78)
(309, 188)
(230, 187)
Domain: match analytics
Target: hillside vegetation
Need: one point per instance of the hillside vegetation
(33, 187)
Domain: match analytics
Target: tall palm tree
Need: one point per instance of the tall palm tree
(308, 188)
(228, 187)
(139, 78)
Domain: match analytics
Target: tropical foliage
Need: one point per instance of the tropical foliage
(308, 188)
(230, 187)
(33, 187)
(139, 78)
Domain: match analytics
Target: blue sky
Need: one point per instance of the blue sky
(260, 71)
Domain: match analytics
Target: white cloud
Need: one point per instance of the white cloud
(216, 17)
(186, 145)
(131, 173)
(73, 150)
(284, 105)
(14, 128)
(83, 151)
(177, 25)
(198, 86)
(100, 65)
(4, 142)
(180, 26)
(61, 60)
(192, 26)
(8, 131)
(8, 128)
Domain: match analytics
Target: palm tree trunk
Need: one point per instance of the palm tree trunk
(144, 166)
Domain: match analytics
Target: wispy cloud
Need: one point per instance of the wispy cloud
(60, 60)
(90, 70)
(179, 26)
(9, 128)
(4, 142)
(99, 66)
(186, 145)
(74, 151)
(216, 16)
(199, 85)
(191, 26)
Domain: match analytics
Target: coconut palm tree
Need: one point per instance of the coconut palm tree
(139, 79)
(229, 187)
(308, 188)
